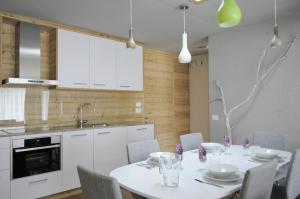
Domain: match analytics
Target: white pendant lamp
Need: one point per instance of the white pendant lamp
(130, 43)
(184, 56)
(276, 41)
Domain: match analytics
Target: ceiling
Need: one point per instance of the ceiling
(157, 23)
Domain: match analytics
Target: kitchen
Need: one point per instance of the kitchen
(79, 93)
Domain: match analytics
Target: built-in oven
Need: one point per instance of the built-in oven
(36, 156)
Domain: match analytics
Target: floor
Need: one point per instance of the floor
(77, 194)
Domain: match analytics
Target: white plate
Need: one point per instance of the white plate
(266, 153)
(235, 177)
(255, 158)
(210, 146)
(222, 170)
(156, 155)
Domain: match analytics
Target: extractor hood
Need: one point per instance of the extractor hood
(28, 57)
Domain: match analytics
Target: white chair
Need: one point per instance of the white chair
(96, 186)
(191, 141)
(291, 188)
(258, 182)
(139, 151)
(270, 140)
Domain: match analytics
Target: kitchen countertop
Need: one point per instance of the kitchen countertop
(23, 130)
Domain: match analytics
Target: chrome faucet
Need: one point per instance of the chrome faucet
(81, 121)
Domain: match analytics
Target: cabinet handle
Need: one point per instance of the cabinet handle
(142, 129)
(103, 133)
(125, 86)
(78, 83)
(99, 84)
(79, 135)
(37, 181)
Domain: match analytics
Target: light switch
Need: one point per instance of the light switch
(138, 104)
(215, 117)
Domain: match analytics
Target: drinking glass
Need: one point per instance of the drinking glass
(169, 167)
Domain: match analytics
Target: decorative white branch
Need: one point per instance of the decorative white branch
(259, 80)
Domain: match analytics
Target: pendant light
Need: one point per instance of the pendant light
(229, 14)
(130, 43)
(184, 56)
(276, 41)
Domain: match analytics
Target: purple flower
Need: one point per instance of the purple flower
(179, 152)
(179, 149)
(246, 143)
(202, 153)
(227, 141)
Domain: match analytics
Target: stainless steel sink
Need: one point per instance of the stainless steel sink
(102, 125)
(96, 125)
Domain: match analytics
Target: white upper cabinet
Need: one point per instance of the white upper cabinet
(85, 61)
(129, 68)
(73, 59)
(102, 63)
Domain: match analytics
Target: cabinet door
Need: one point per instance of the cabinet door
(4, 159)
(36, 186)
(129, 68)
(77, 150)
(102, 63)
(109, 149)
(5, 184)
(140, 133)
(72, 59)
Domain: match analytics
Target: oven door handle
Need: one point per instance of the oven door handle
(37, 148)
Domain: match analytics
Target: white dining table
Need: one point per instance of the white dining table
(149, 182)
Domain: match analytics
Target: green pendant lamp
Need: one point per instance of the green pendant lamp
(229, 14)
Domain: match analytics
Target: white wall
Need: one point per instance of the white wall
(233, 58)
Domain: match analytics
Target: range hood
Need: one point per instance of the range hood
(28, 57)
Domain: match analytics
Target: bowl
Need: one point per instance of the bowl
(266, 153)
(210, 146)
(155, 156)
(222, 170)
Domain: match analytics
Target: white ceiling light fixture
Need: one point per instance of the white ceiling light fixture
(184, 56)
(276, 41)
(131, 43)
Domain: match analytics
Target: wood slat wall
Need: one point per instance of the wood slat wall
(165, 100)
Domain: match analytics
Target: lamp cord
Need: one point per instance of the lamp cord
(275, 12)
(184, 19)
(130, 4)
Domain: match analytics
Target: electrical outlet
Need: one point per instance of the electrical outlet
(138, 110)
(215, 117)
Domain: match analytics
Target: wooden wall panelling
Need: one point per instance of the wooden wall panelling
(165, 89)
(1, 28)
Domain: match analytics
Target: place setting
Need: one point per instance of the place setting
(220, 174)
(266, 155)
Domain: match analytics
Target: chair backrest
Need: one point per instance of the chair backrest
(270, 140)
(293, 179)
(96, 186)
(191, 141)
(139, 151)
(258, 182)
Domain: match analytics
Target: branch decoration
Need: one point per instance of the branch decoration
(260, 77)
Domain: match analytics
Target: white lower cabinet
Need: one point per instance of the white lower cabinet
(140, 133)
(77, 151)
(36, 186)
(5, 184)
(109, 149)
